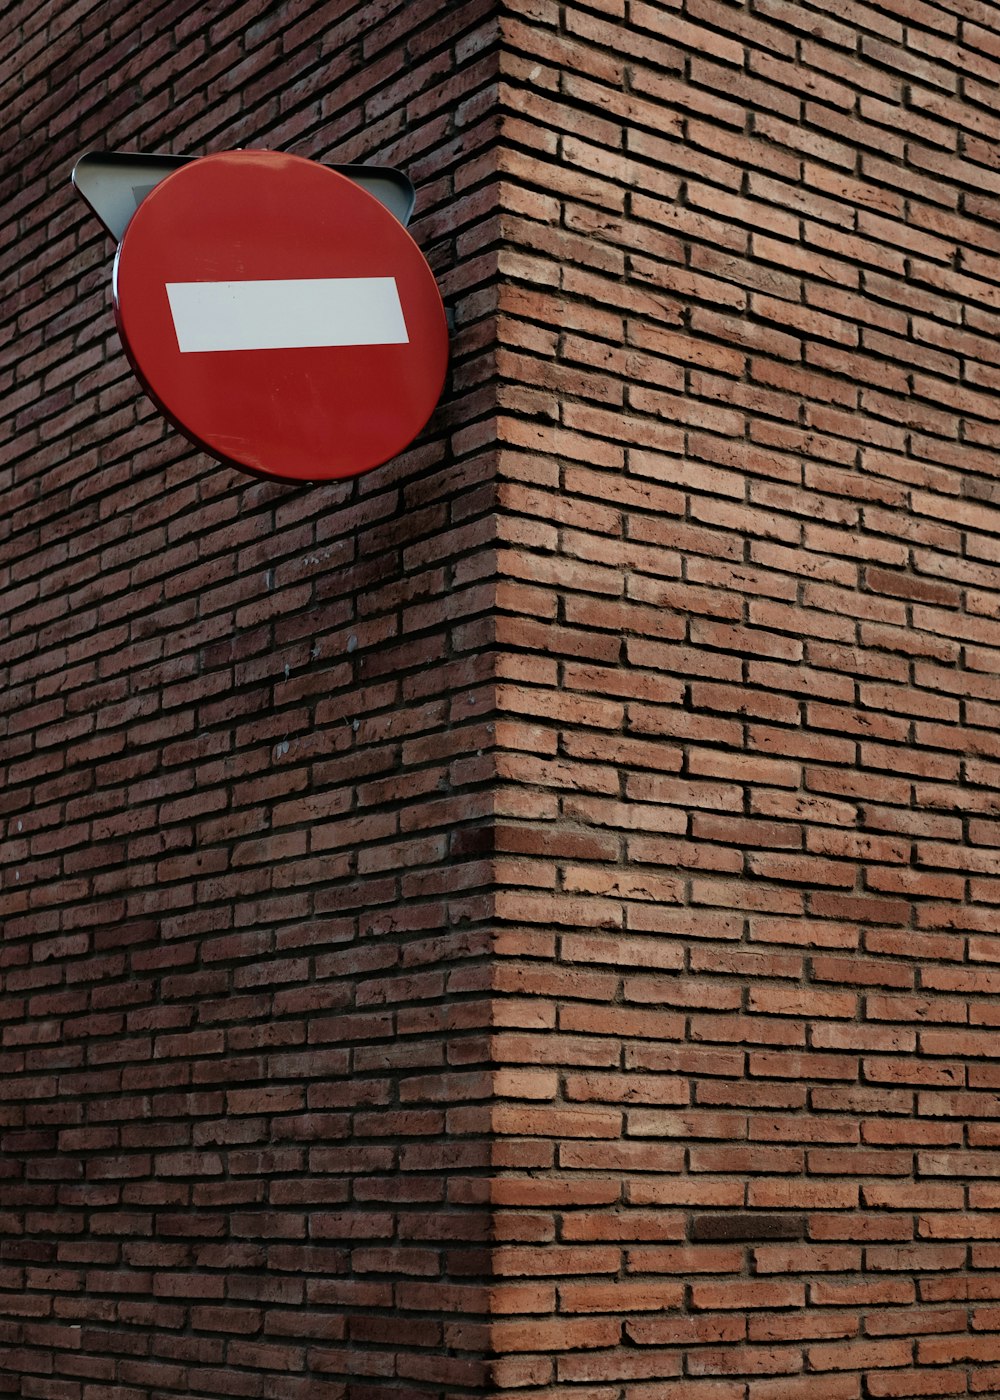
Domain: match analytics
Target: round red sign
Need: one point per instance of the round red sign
(280, 316)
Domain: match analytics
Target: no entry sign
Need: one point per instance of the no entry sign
(280, 316)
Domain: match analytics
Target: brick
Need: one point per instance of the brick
(613, 1298)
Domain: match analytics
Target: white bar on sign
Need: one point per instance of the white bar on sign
(294, 313)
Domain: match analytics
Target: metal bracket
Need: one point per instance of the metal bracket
(114, 184)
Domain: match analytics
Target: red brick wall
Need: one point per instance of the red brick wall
(748, 957)
(243, 1066)
(523, 921)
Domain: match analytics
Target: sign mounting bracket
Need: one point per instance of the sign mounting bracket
(114, 184)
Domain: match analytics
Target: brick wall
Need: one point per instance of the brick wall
(748, 955)
(524, 920)
(243, 1064)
